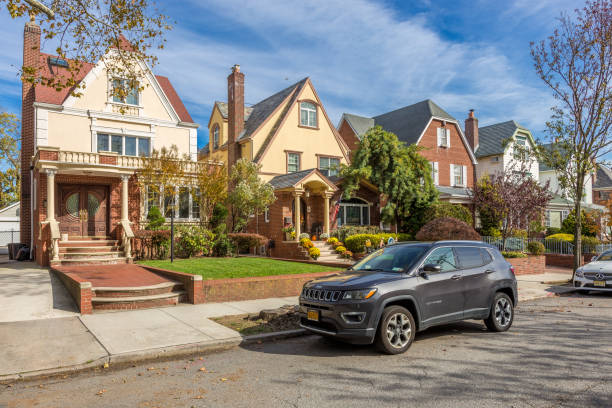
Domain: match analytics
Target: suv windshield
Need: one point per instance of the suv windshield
(398, 258)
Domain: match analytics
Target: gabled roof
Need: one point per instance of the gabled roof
(359, 124)
(48, 94)
(261, 110)
(222, 106)
(492, 139)
(293, 179)
(409, 122)
(604, 177)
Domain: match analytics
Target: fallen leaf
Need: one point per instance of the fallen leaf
(201, 358)
(101, 392)
(203, 369)
(105, 365)
(198, 397)
(223, 379)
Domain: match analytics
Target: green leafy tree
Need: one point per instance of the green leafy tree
(249, 196)
(399, 172)
(589, 220)
(9, 159)
(211, 183)
(575, 62)
(84, 31)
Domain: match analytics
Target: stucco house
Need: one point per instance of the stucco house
(427, 125)
(80, 156)
(300, 151)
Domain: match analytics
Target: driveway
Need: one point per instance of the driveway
(29, 292)
(558, 354)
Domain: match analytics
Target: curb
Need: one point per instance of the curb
(265, 337)
(116, 361)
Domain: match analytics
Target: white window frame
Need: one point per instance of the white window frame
(435, 173)
(335, 168)
(298, 164)
(162, 209)
(112, 94)
(463, 172)
(443, 137)
(267, 215)
(361, 207)
(122, 153)
(547, 219)
(306, 108)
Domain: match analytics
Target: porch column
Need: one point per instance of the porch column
(297, 215)
(326, 197)
(51, 194)
(124, 197)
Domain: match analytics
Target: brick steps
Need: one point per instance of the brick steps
(138, 302)
(90, 261)
(97, 248)
(89, 243)
(90, 251)
(139, 291)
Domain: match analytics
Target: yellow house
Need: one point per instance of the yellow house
(80, 155)
(300, 152)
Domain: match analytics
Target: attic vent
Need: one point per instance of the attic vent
(59, 62)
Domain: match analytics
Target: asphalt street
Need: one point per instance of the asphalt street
(558, 354)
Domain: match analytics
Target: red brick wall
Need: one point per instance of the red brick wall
(191, 283)
(31, 52)
(566, 261)
(601, 197)
(226, 290)
(49, 155)
(79, 289)
(456, 154)
(350, 138)
(530, 265)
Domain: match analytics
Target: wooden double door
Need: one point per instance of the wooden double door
(83, 210)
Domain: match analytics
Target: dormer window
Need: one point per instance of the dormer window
(125, 91)
(216, 137)
(308, 114)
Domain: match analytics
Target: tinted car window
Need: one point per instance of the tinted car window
(443, 257)
(486, 256)
(606, 256)
(469, 257)
(398, 258)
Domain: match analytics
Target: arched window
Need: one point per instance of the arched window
(308, 114)
(216, 137)
(354, 212)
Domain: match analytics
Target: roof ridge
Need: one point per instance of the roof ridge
(281, 91)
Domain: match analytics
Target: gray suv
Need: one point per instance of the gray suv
(404, 288)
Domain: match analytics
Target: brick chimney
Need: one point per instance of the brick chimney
(31, 54)
(471, 130)
(235, 114)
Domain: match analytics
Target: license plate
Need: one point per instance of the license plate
(313, 315)
(599, 284)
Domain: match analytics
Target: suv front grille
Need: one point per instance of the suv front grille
(321, 295)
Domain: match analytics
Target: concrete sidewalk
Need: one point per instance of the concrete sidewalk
(55, 344)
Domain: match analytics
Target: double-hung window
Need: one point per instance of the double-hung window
(458, 175)
(434, 173)
(444, 137)
(124, 145)
(293, 162)
(125, 91)
(186, 200)
(216, 137)
(329, 166)
(308, 114)
(521, 148)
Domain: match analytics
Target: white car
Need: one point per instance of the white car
(596, 275)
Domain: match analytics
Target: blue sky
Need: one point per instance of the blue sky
(363, 56)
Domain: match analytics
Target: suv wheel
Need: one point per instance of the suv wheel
(502, 313)
(395, 331)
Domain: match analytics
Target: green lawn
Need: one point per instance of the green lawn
(243, 267)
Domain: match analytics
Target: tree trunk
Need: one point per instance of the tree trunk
(578, 225)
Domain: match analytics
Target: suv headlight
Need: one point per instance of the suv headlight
(359, 294)
(580, 273)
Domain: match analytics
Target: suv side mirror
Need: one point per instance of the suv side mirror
(432, 268)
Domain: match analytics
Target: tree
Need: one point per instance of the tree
(399, 172)
(84, 32)
(512, 196)
(576, 63)
(589, 220)
(211, 184)
(9, 159)
(250, 195)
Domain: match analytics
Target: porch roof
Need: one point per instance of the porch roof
(294, 180)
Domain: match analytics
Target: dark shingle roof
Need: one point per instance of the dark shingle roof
(290, 179)
(205, 149)
(604, 177)
(491, 138)
(359, 124)
(409, 122)
(261, 110)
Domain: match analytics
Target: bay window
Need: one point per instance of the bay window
(353, 212)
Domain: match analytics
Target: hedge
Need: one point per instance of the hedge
(245, 241)
(356, 243)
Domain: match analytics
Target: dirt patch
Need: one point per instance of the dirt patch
(267, 321)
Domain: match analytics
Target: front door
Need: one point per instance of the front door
(83, 210)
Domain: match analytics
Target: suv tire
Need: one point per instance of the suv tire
(396, 330)
(501, 314)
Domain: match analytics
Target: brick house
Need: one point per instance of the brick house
(427, 125)
(80, 155)
(602, 187)
(300, 151)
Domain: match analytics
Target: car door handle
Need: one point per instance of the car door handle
(456, 277)
(489, 271)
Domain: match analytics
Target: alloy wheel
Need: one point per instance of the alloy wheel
(399, 330)
(503, 312)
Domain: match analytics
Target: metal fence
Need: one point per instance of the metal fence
(553, 246)
(8, 237)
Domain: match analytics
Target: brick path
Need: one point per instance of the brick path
(119, 275)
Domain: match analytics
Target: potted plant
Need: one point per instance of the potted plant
(289, 232)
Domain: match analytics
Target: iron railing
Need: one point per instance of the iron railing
(553, 246)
